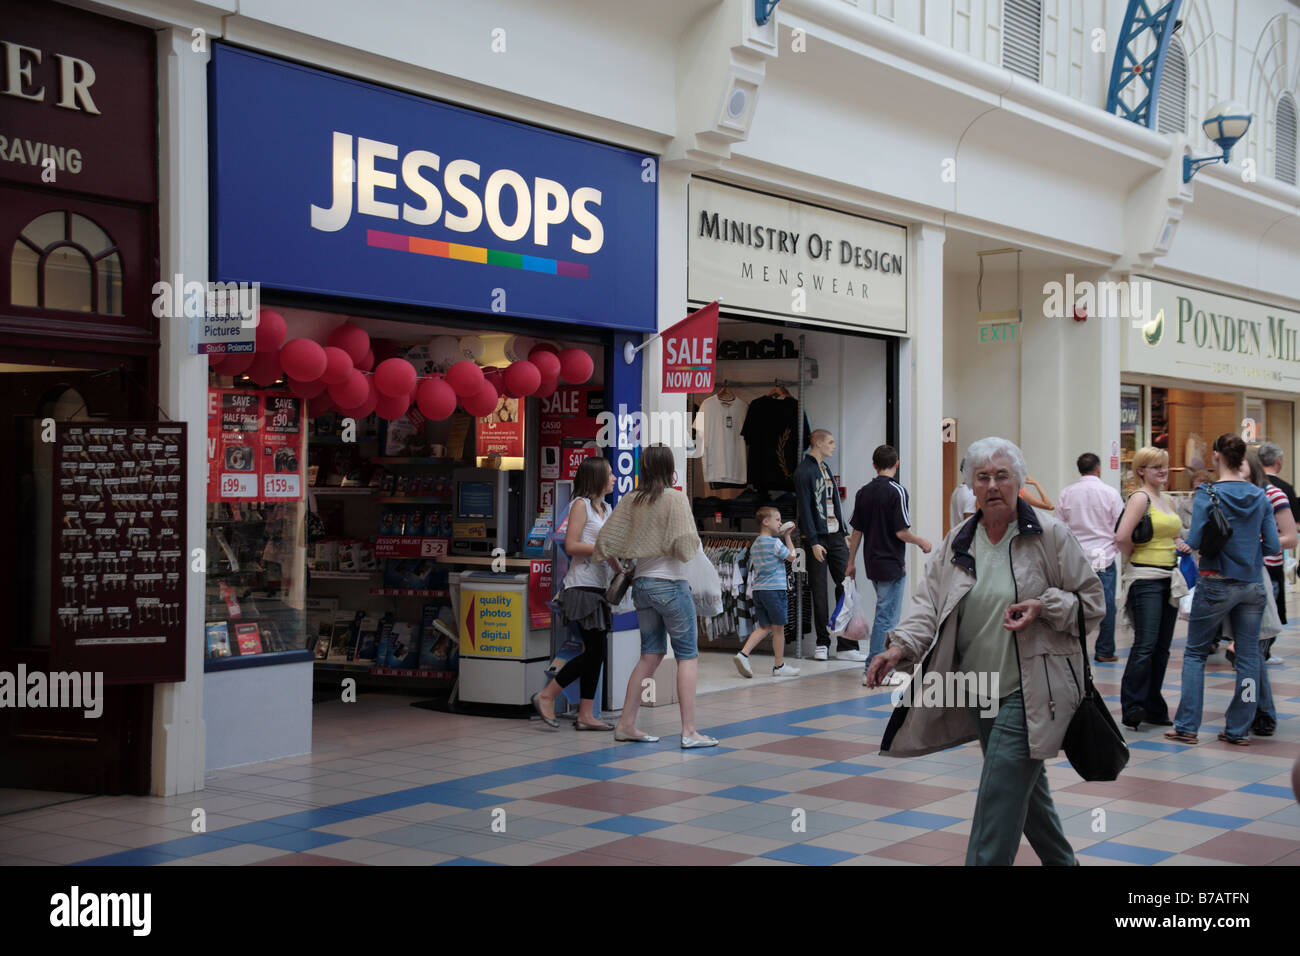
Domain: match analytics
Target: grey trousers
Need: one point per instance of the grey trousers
(1013, 796)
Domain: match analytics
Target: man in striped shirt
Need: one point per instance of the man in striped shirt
(882, 515)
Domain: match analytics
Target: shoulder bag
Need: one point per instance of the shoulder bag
(1093, 744)
(617, 590)
(1144, 531)
(1217, 529)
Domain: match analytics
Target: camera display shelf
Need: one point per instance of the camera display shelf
(343, 575)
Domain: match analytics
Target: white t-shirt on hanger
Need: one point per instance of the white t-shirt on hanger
(718, 426)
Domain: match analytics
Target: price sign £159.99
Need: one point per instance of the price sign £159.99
(281, 446)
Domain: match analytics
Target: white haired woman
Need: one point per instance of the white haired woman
(998, 605)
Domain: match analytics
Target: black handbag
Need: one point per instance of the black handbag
(617, 589)
(1093, 744)
(1144, 531)
(1217, 530)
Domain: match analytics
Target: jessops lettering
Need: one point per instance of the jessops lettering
(538, 207)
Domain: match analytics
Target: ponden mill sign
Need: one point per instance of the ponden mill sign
(766, 256)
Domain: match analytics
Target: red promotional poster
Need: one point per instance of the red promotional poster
(569, 423)
(282, 451)
(540, 573)
(574, 455)
(690, 348)
(502, 432)
(234, 427)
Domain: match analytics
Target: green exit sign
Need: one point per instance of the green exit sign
(999, 332)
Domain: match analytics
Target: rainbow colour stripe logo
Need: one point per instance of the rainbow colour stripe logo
(479, 254)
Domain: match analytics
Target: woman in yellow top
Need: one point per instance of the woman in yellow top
(1154, 585)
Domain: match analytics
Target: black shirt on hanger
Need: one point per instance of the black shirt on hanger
(771, 433)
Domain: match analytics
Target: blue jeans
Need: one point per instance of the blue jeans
(1105, 646)
(889, 604)
(665, 608)
(1242, 603)
(1153, 631)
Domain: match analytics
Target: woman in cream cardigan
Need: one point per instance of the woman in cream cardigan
(654, 526)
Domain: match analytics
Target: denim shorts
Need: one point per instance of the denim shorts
(771, 607)
(665, 609)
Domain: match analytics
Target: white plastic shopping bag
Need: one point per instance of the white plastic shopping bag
(706, 586)
(845, 609)
(1185, 605)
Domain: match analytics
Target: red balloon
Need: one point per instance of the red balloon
(365, 408)
(238, 363)
(483, 402)
(548, 363)
(302, 359)
(338, 366)
(216, 360)
(576, 366)
(521, 378)
(547, 347)
(496, 378)
(319, 405)
(265, 368)
(389, 407)
(547, 388)
(305, 389)
(352, 391)
(367, 363)
(465, 379)
(395, 377)
(435, 399)
(271, 330)
(352, 339)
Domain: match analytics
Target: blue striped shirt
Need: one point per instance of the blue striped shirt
(767, 556)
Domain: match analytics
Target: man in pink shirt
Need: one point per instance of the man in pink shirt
(1090, 508)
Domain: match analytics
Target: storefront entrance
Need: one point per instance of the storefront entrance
(47, 748)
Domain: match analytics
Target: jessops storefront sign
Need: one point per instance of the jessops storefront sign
(1207, 337)
(329, 185)
(766, 256)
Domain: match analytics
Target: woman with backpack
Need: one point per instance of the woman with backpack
(1233, 528)
(1149, 535)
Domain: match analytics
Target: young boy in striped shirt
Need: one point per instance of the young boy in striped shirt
(767, 558)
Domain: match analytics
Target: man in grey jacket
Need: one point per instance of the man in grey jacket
(822, 527)
(997, 608)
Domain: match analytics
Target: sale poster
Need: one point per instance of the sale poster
(255, 445)
(690, 351)
(502, 432)
(234, 427)
(568, 423)
(281, 443)
(540, 581)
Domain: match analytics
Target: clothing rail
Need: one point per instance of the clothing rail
(766, 383)
(730, 534)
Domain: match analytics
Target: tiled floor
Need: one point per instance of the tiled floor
(798, 780)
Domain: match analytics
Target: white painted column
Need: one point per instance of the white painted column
(179, 734)
(671, 305)
(920, 393)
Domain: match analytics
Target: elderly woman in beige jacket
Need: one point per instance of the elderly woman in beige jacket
(997, 609)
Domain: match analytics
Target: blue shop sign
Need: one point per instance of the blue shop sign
(324, 184)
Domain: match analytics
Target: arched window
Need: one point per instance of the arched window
(1171, 106)
(1022, 38)
(62, 260)
(1284, 164)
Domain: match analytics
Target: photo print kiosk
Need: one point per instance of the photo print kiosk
(487, 511)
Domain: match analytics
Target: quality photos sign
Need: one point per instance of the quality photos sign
(1207, 337)
(766, 256)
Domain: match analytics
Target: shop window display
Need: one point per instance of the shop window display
(361, 568)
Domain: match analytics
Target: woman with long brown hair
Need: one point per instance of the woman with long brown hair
(654, 525)
(582, 600)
